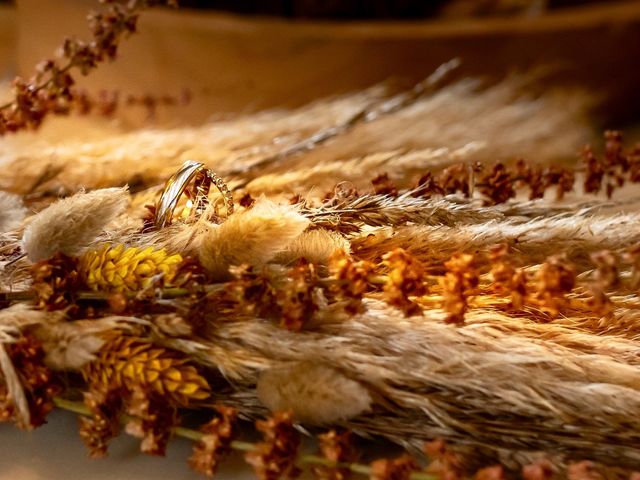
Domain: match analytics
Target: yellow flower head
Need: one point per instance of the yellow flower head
(120, 269)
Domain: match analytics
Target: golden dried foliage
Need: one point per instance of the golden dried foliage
(296, 297)
(506, 278)
(124, 362)
(122, 269)
(275, 457)
(554, 280)
(216, 441)
(461, 277)
(351, 279)
(406, 278)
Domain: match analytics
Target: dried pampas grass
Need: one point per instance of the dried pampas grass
(71, 224)
(315, 394)
(501, 121)
(315, 246)
(252, 237)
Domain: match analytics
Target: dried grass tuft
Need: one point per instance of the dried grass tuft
(251, 237)
(69, 225)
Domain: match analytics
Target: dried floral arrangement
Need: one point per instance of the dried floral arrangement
(391, 270)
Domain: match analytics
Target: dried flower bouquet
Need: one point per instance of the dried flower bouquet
(391, 271)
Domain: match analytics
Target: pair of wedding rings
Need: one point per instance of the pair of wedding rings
(201, 179)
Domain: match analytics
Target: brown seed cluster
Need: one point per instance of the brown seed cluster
(150, 417)
(461, 277)
(290, 300)
(507, 279)
(406, 278)
(275, 456)
(399, 468)
(216, 441)
(500, 182)
(554, 280)
(38, 382)
(351, 280)
(103, 425)
(443, 462)
(55, 282)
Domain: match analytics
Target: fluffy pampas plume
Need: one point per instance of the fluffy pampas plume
(316, 394)
(70, 225)
(251, 237)
(316, 246)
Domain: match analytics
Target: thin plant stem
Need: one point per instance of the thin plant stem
(240, 446)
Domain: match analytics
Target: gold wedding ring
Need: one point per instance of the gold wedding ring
(198, 196)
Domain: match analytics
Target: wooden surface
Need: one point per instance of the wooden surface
(55, 452)
(7, 41)
(237, 64)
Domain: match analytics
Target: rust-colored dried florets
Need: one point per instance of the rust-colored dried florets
(296, 297)
(251, 293)
(584, 470)
(150, 418)
(383, 185)
(455, 179)
(461, 277)
(399, 468)
(406, 278)
(506, 278)
(443, 462)
(555, 279)
(494, 472)
(216, 441)
(55, 282)
(103, 424)
(124, 362)
(351, 279)
(498, 184)
(541, 469)
(276, 455)
(337, 448)
(38, 382)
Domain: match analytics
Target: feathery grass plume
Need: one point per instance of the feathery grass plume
(124, 361)
(12, 211)
(533, 240)
(71, 224)
(252, 237)
(464, 384)
(122, 269)
(553, 125)
(360, 170)
(383, 210)
(314, 393)
(316, 246)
